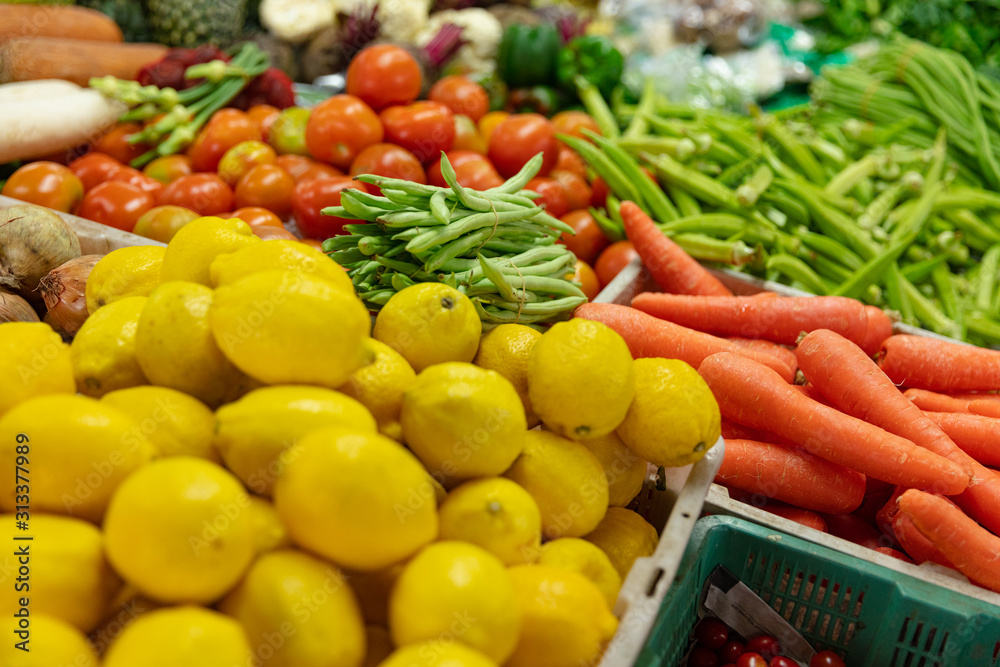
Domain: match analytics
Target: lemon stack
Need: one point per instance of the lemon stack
(228, 467)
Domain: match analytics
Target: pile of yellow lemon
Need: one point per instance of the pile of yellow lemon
(229, 467)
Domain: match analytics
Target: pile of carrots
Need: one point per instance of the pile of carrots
(890, 441)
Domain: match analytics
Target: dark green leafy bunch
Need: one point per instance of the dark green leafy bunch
(496, 246)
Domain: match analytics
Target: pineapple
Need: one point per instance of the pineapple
(128, 14)
(189, 23)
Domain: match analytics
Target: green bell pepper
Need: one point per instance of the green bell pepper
(595, 58)
(527, 55)
(545, 100)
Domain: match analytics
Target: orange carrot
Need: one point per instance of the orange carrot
(778, 320)
(879, 328)
(922, 362)
(673, 269)
(752, 394)
(918, 547)
(791, 475)
(799, 516)
(935, 402)
(647, 336)
(732, 430)
(762, 345)
(976, 396)
(976, 435)
(854, 385)
(810, 391)
(972, 549)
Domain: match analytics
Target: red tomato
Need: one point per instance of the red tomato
(139, 180)
(467, 137)
(267, 186)
(614, 258)
(570, 160)
(302, 168)
(472, 169)
(384, 75)
(116, 204)
(169, 168)
(782, 661)
(341, 127)
(264, 115)
(255, 216)
(572, 122)
(766, 645)
(518, 139)
(578, 193)
(751, 660)
(243, 157)
(554, 197)
(731, 651)
(225, 129)
(589, 240)
(115, 143)
(585, 275)
(711, 633)
(204, 193)
(702, 657)
(160, 223)
(94, 168)
(423, 128)
(269, 233)
(313, 243)
(601, 192)
(311, 197)
(46, 184)
(462, 95)
(826, 659)
(388, 160)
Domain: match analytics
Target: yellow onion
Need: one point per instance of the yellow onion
(63, 290)
(15, 309)
(33, 241)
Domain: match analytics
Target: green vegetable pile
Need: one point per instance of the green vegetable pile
(497, 246)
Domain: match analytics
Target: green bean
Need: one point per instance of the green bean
(544, 307)
(830, 248)
(708, 249)
(612, 230)
(595, 105)
(879, 208)
(372, 245)
(725, 224)
(439, 207)
(834, 223)
(988, 269)
(340, 212)
(448, 233)
(920, 271)
(647, 104)
(983, 325)
(929, 314)
(660, 207)
(398, 219)
(516, 183)
(617, 181)
(403, 198)
(796, 269)
(735, 174)
(699, 185)
(790, 206)
(687, 205)
(945, 287)
(347, 256)
(613, 207)
(748, 193)
(799, 152)
(456, 248)
(679, 148)
(897, 297)
(397, 184)
(829, 269)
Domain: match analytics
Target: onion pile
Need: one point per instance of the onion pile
(15, 309)
(33, 241)
(63, 290)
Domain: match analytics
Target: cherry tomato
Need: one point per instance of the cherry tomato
(826, 659)
(578, 193)
(268, 186)
(204, 193)
(384, 75)
(572, 122)
(471, 169)
(423, 128)
(139, 180)
(269, 233)
(467, 136)
(311, 197)
(731, 651)
(116, 204)
(589, 240)
(751, 660)
(255, 216)
(518, 139)
(46, 184)
(225, 129)
(570, 160)
(766, 645)
(287, 133)
(462, 95)
(243, 157)
(782, 661)
(169, 168)
(614, 258)
(855, 529)
(115, 143)
(160, 223)
(702, 657)
(302, 168)
(601, 192)
(388, 160)
(341, 127)
(711, 633)
(94, 168)
(585, 275)
(489, 122)
(554, 197)
(264, 115)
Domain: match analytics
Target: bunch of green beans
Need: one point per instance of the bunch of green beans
(496, 246)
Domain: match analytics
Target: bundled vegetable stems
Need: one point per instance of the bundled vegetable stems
(497, 246)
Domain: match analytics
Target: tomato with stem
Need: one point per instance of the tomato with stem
(116, 204)
(518, 139)
(384, 75)
(426, 129)
(462, 95)
(267, 186)
(204, 193)
(45, 184)
(341, 127)
(311, 197)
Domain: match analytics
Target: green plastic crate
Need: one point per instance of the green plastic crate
(873, 616)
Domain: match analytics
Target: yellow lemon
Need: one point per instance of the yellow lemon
(70, 577)
(254, 433)
(495, 514)
(463, 421)
(437, 653)
(379, 386)
(34, 361)
(51, 642)
(127, 607)
(624, 536)
(187, 635)
(130, 271)
(356, 498)
(191, 251)
(273, 598)
(506, 350)
(457, 591)
(177, 424)
(674, 418)
(278, 255)
(79, 451)
(176, 349)
(429, 323)
(373, 589)
(268, 531)
(564, 619)
(282, 327)
(180, 530)
(378, 645)
(625, 470)
(581, 379)
(566, 481)
(582, 557)
(103, 350)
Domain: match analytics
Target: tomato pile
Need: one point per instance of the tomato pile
(268, 167)
(717, 646)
